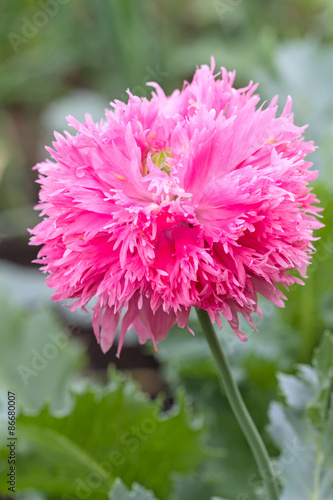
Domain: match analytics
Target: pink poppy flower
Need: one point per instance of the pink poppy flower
(199, 199)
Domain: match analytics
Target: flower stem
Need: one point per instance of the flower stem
(238, 407)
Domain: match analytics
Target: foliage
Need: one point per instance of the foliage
(109, 432)
(302, 428)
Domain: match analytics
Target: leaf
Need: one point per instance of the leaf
(195, 488)
(302, 428)
(37, 358)
(120, 492)
(296, 392)
(111, 432)
(323, 358)
(323, 362)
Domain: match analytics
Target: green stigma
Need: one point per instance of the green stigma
(160, 160)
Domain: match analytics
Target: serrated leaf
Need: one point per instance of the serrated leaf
(195, 488)
(302, 429)
(120, 492)
(294, 437)
(328, 437)
(114, 432)
(323, 362)
(296, 392)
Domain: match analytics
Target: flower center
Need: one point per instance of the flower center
(159, 158)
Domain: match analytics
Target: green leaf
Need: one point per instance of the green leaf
(37, 357)
(195, 488)
(323, 358)
(302, 428)
(319, 407)
(120, 492)
(110, 432)
(296, 392)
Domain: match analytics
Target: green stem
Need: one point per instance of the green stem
(238, 406)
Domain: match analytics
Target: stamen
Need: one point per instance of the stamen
(120, 177)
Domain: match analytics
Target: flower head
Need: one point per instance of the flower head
(197, 199)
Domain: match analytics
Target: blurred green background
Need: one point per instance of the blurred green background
(60, 57)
